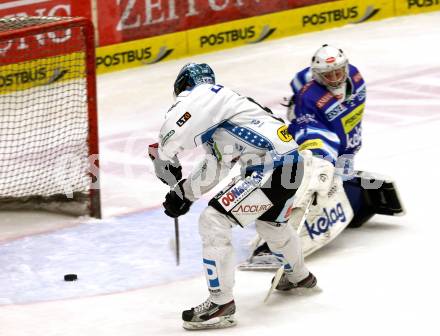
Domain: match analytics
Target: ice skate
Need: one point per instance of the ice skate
(285, 284)
(209, 315)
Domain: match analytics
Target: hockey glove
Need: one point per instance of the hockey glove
(176, 204)
(169, 172)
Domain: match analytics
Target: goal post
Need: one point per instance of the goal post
(48, 115)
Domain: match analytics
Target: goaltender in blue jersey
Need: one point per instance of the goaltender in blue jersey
(327, 110)
(325, 114)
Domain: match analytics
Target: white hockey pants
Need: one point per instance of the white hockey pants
(215, 230)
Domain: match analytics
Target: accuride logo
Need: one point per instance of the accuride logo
(422, 3)
(248, 209)
(340, 14)
(241, 34)
(326, 221)
(143, 55)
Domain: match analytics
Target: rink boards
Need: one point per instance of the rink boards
(253, 30)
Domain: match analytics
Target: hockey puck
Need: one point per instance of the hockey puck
(70, 277)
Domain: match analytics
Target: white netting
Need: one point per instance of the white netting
(44, 127)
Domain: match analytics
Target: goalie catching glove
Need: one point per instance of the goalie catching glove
(176, 204)
(169, 172)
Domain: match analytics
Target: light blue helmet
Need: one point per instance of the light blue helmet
(191, 75)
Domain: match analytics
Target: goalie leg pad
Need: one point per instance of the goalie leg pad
(324, 222)
(371, 194)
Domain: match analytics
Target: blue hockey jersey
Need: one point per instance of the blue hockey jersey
(324, 125)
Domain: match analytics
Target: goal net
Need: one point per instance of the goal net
(48, 117)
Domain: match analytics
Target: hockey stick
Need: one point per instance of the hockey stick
(280, 270)
(153, 154)
(176, 236)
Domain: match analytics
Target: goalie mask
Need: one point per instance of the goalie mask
(191, 75)
(329, 67)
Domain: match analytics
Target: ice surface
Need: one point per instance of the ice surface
(380, 279)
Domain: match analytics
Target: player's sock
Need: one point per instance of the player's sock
(209, 315)
(285, 284)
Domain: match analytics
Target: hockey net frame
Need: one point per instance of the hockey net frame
(83, 202)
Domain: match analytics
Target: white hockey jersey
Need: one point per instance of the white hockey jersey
(232, 127)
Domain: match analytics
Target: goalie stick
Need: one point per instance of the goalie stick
(280, 270)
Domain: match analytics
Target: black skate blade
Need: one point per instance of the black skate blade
(214, 323)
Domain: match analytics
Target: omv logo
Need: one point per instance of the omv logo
(370, 11)
(264, 34)
(326, 221)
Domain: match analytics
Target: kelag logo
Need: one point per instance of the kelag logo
(143, 55)
(340, 14)
(422, 3)
(326, 221)
(354, 139)
(247, 34)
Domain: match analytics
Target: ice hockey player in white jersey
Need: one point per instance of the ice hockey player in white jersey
(234, 129)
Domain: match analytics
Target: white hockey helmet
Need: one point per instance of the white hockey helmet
(329, 66)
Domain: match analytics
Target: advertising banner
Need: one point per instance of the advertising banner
(239, 32)
(125, 20)
(286, 23)
(141, 52)
(39, 72)
(407, 7)
(41, 45)
(45, 8)
(340, 13)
